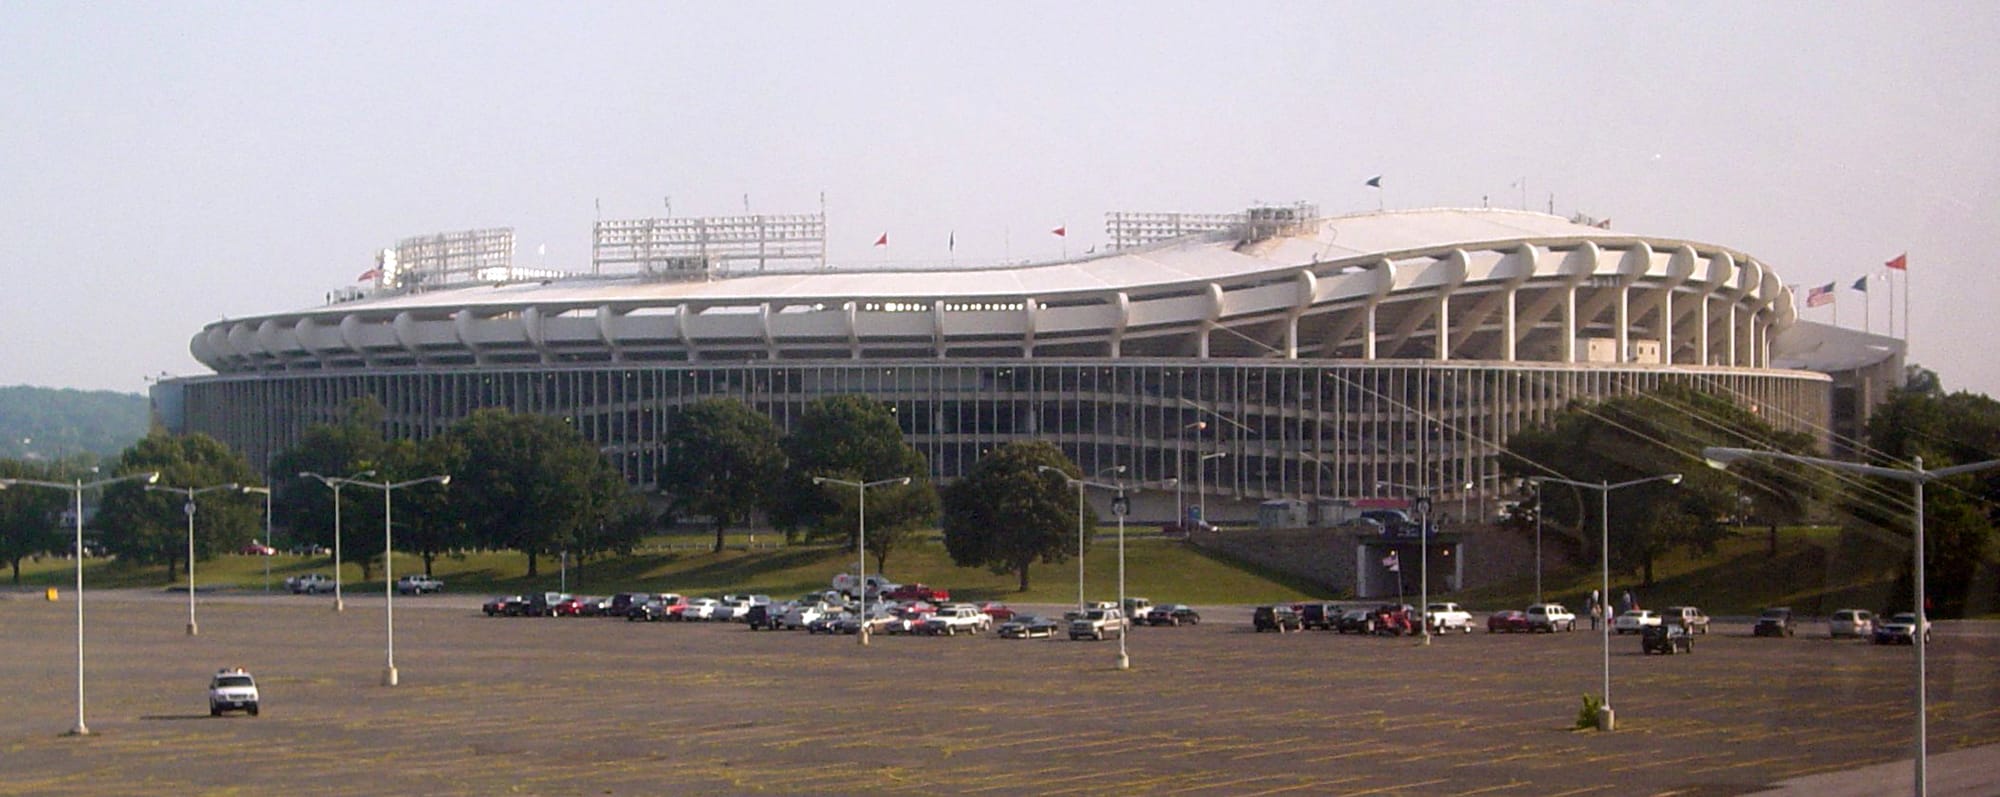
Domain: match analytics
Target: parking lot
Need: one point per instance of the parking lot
(598, 706)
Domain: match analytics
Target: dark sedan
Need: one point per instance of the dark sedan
(1174, 614)
(1027, 626)
(1276, 618)
(498, 605)
(1510, 621)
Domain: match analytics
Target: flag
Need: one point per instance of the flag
(1860, 285)
(882, 241)
(373, 273)
(1061, 232)
(1395, 565)
(1901, 263)
(1603, 225)
(1375, 182)
(951, 244)
(1820, 296)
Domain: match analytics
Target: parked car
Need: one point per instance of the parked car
(232, 689)
(1550, 617)
(498, 604)
(1099, 624)
(1508, 621)
(1028, 626)
(1276, 618)
(1173, 614)
(657, 607)
(309, 584)
(1632, 621)
(764, 615)
(803, 614)
(1395, 620)
(1448, 616)
(258, 549)
(1318, 615)
(1666, 638)
(1136, 608)
(1900, 629)
(702, 609)
(1687, 617)
(917, 592)
(570, 606)
(1000, 612)
(1774, 621)
(623, 603)
(1355, 620)
(1855, 623)
(418, 584)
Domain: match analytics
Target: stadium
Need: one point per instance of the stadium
(1272, 354)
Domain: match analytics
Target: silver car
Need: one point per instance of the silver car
(1853, 623)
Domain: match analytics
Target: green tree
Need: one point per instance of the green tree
(856, 438)
(425, 522)
(150, 527)
(1634, 437)
(1005, 514)
(1959, 513)
(529, 483)
(28, 516)
(349, 446)
(722, 458)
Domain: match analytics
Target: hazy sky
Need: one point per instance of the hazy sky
(163, 165)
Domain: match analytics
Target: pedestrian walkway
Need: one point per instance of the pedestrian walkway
(1972, 772)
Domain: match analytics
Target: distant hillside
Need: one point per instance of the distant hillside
(47, 423)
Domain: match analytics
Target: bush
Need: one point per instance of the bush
(1586, 717)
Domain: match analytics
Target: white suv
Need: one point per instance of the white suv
(1857, 623)
(1448, 616)
(1550, 617)
(232, 689)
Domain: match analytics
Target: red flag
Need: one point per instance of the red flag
(882, 241)
(1901, 263)
(369, 275)
(1061, 232)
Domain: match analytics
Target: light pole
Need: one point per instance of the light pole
(1423, 504)
(1917, 476)
(1536, 490)
(389, 677)
(1201, 482)
(1180, 464)
(1079, 485)
(861, 535)
(76, 489)
(1606, 720)
(187, 508)
(1120, 506)
(268, 550)
(336, 482)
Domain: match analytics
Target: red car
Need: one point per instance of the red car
(1394, 620)
(917, 592)
(258, 549)
(1510, 621)
(573, 607)
(1000, 612)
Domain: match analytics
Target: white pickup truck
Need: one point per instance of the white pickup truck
(1098, 624)
(846, 584)
(309, 584)
(953, 619)
(1448, 616)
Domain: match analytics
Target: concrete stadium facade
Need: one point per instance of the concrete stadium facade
(1305, 358)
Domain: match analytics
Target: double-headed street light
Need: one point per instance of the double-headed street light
(1917, 476)
(268, 550)
(389, 677)
(336, 482)
(1079, 485)
(76, 489)
(187, 508)
(861, 533)
(1201, 482)
(1606, 720)
(1120, 506)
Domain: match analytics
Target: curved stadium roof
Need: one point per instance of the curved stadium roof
(1479, 284)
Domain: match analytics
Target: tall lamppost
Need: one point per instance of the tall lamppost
(1120, 506)
(861, 534)
(1423, 504)
(76, 489)
(389, 677)
(1917, 476)
(335, 483)
(268, 550)
(187, 507)
(1180, 464)
(1079, 485)
(1529, 486)
(1201, 482)
(1606, 720)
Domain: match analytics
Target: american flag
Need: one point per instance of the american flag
(1820, 296)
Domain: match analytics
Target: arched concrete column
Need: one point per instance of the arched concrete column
(1122, 306)
(1211, 318)
(1307, 286)
(350, 336)
(531, 325)
(1029, 307)
(405, 329)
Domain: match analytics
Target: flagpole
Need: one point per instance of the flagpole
(1867, 306)
(1891, 279)
(1906, 311)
